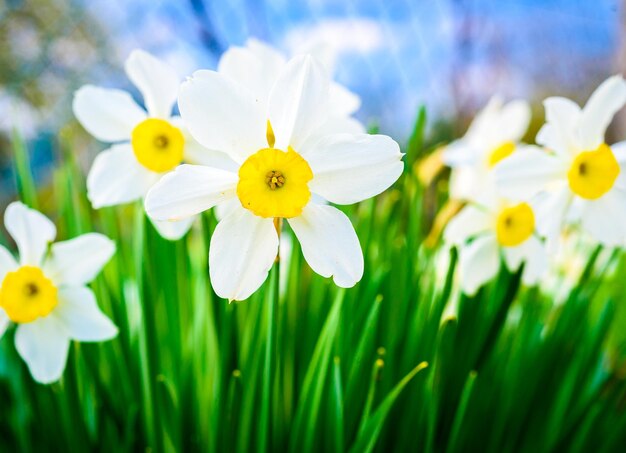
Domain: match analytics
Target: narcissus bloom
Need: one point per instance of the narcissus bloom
(147, 144)
(45, 292)
(578, 178)
(494, 135)
(288, 165)
(487, 233)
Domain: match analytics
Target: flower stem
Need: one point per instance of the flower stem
(270, 366)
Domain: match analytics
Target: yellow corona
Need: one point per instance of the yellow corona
(158, 145)
(27, 294)
(515, 224)
(274, 183)
(593, 173)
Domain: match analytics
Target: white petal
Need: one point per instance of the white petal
(460, 153)
(527, 172)
(550, 209)
(4, 322)
(469, 222)
(562, 118)
(43, 344)
(197, 154)
(222, 115)
(481, 132)
(514, 256)
(31, 230)
(512, 122)
(619, 151)
(472, 183)
(242, 252)
(599, 111)
(329, 244)
(550, 137)
(479, 262)
(343, 102)
(333, 125)
(109, 115)
(173, 230)
(224, 209)
(532, 253)
(298, 102)
(7, 263)
(189, 190)
(80, 316)
(156, 80)
(605, 218)
(536, 258)
(116, 177)
(575, 210)
(350, 168)
(256, 67)
(79, 260)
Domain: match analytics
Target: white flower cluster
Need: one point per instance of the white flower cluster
(263, 139)
(521, 198)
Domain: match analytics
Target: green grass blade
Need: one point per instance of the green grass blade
(366, 441)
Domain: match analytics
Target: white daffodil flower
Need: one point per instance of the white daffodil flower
(494, 135)
(485, 233)
(257, 66)
(578, 178)
(45, 291)
(286, 163)
(146, 144)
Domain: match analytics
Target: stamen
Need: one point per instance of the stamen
(274, 179)
(161, 141)
(31, 289)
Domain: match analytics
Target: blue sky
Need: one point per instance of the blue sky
(396, 54)
(449, 55)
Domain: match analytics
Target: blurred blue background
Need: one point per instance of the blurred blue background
(449, 55)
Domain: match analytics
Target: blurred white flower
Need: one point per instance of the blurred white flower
(147, 144)
(19, 115)
(485, 233)
(578, 178)
(45, 291)
(494, 135)
(284, 156)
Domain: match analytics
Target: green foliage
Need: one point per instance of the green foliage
(305, 366)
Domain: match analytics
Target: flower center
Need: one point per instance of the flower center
(499, 153)
(274, 183)
(515, 224)
(274, 179)
(593, 173)
(27, 294)
(158, 145)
